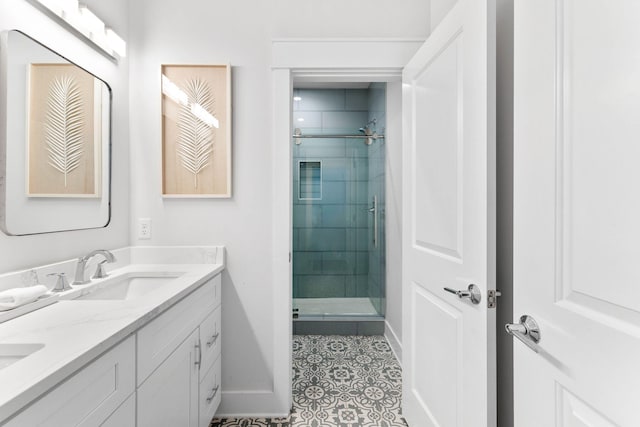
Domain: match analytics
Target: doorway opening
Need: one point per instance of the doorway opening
(338, 208)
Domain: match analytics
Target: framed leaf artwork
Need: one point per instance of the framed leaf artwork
(64, 132)
(196, 131)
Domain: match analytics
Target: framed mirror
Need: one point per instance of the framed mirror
(55, 122)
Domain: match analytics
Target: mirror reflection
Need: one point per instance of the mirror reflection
(55, 138)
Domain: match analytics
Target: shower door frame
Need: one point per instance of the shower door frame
(345, 304)
(311, 60)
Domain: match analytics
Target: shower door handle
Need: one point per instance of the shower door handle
(374, 210)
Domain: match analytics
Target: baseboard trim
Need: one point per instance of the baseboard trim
(244, 415)
(262, 404)
(394, 342)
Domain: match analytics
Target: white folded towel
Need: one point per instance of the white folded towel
(16, 297)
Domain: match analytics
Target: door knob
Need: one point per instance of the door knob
(472, 292)
(526, 331)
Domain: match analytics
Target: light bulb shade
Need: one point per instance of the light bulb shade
(91, 22)
(60, 7)
(116, 43)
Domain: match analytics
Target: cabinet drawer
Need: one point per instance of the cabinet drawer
(89, 396)
(211, 338)
(162, 335)
(210, 394)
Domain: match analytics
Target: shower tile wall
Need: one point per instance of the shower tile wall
(330, 236)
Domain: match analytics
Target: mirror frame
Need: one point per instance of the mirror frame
(22, 213)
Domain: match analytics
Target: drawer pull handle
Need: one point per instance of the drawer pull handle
(212, 394)
(199, 350)
(213, 339)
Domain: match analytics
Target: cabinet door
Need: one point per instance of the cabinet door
(88, 397)
(169, 397)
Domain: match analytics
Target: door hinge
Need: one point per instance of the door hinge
(492, 298)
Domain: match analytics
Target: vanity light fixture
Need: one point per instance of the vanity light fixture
(61, 7)
(80, 18)
(92, 23)
(116, 42)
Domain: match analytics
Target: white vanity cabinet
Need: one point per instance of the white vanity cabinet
(163, 371)
(178, 375)
(91, 396)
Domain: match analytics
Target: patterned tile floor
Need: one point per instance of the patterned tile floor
(339, 381)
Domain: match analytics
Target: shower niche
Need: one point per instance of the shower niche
(338, 199)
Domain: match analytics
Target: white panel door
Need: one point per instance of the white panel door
(577, 211)
(449, 222)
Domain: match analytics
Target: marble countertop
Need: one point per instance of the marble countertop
(74, 332)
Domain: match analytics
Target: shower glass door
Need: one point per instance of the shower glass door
(338, 229)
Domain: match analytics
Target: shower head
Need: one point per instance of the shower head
(366, 130)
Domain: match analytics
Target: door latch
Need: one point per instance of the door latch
(492, 298)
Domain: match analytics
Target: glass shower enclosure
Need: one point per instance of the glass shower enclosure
(338, 205)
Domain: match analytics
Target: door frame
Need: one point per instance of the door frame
(317, 60)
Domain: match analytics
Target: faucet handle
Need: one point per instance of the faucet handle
(62, 284)
(100, 271)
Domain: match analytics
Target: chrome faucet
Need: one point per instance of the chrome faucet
(82, 265)
(61, 283)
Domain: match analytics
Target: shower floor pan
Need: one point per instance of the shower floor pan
(337, 316)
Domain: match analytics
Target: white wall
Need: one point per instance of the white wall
(18, 252)
(240, 33)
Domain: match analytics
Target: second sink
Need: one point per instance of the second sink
(11, 353)
(129, 286)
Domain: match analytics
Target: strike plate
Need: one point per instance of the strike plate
(492, 298)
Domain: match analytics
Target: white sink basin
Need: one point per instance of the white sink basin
(129, 286)
(11, 353)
